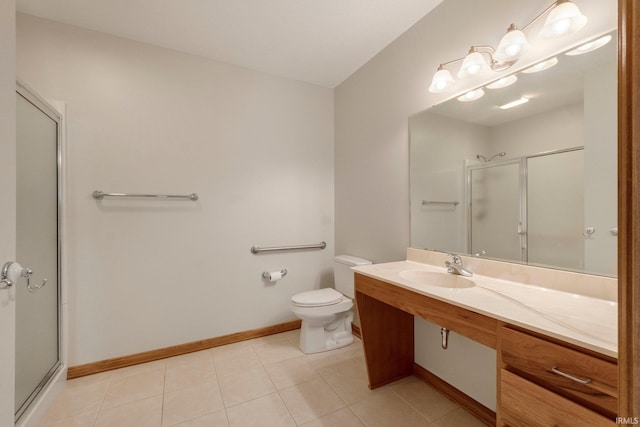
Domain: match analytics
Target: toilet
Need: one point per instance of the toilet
(327, 313)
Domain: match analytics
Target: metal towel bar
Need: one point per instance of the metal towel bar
(257, 249)
(99, 195)
(433, 202)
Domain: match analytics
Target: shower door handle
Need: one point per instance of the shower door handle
(12, 271)
(26, 273)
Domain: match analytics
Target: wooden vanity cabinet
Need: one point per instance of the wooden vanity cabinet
(581, 391)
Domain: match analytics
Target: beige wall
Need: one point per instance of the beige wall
(258, 150)
(371, 132)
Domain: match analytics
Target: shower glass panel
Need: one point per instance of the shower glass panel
(555, 209)
(494, 213)
(37, 313)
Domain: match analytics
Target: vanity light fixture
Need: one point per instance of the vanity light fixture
(513, 45)
(471, 95)
(473, 64)
(563, 18)
(442, 81)
(590, 46)
(541, 66)
(503, 82)
(515, 103)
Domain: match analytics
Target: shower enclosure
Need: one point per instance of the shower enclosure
(529, 209)
(38, 162)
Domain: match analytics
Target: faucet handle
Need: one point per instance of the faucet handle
(456, 259)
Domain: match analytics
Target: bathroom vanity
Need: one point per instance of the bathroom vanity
(556, 346)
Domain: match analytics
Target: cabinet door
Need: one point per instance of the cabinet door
(533, 358)
(522, 403)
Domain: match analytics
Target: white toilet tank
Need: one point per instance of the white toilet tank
(343, 274)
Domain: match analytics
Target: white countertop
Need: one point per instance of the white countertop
(585, 321)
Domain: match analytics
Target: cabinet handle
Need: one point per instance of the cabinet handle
(555, 370)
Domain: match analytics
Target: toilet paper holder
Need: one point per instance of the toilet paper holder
(267, 274)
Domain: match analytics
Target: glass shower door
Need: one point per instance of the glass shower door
(555, 185)
(37, 310)
(494, 211)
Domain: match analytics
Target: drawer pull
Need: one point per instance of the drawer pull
(555, 370)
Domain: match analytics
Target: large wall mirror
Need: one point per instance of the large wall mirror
(534, 183)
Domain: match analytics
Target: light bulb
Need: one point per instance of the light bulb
(564, 19)
(442, 81)
(473, 65)
(512, 45)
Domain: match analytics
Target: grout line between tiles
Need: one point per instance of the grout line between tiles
(164, 387)
(104, 396)
(416, 409)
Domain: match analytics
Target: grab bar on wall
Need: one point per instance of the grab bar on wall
(99, 195)
(433, 202)
(257, 249)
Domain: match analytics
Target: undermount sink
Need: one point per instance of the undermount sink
(434, 278)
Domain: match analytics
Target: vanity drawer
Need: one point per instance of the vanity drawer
(535, 358)
(525, 404)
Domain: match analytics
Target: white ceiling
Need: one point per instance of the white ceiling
(316, 41)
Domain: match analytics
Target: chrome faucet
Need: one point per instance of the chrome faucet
(454, 266)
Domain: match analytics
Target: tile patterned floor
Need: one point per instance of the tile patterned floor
(263, 382)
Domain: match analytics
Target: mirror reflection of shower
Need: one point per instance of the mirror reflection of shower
(483, 159)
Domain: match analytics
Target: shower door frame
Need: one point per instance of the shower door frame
(522, 202)
(523, 178)
(47, 109)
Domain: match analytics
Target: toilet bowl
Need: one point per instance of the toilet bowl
(326, 313)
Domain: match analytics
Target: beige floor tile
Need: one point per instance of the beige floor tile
(236, 362)
(185, 375)
(265, 411)
(290, 336)
(214, 419)
(385, 409)
(90, 379)
(76, 400)
(430, 403)
(314, 390)
(85, 386)
(83, 420)
(134, 387)
(271, 352)
(143, 368)
(290, 372)
(310, 400)
(141, 413)
(352, 386)
(343, 367)
(341, 418)
(230, 349)
(198, 358)
(245, 386)
(329, 358)
(459, 417)
(190, 403)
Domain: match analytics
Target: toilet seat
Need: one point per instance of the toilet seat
(317, 298)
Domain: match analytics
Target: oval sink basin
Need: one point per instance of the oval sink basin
(434, 278)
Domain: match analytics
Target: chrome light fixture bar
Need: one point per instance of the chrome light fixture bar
(563, 18)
